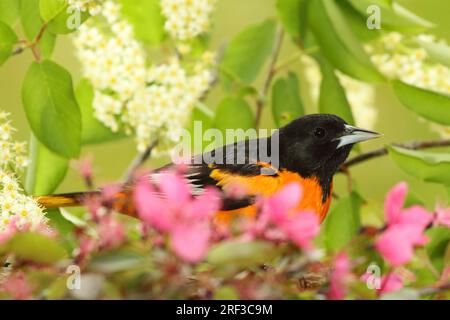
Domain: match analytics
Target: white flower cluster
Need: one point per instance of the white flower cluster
(14, 204)
(91, 6)
(360, 95)
(16, 207)
(187, 19)
(153, 102)
(12, 153)
(167, 103)
(412, 65)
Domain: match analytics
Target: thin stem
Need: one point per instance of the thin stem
(33, 45)
(272, 71)
(430, 291)
(295, 57)
(291, 59)
(137, 163)
(414, 145)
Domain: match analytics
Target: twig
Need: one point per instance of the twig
(137, 162)
(430, 291)
(272, 71)
(293, 58)
(33, 44)
(414, 145)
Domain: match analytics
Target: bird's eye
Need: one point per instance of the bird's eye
(319, 132)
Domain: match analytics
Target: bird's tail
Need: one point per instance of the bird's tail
(74, 199)
(121, 201)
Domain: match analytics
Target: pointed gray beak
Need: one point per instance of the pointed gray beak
(353, 135)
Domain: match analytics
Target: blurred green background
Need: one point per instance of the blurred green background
(110, 160)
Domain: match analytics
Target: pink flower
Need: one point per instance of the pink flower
(405, 227)
(85, 247)
(279, 210)
(397, 243)
(390, 282)
(111, 232)
(395, 214)
(85, 168)
(171, 209)
(17, 287)
(442, 217)
(191, 242)
(340, 276)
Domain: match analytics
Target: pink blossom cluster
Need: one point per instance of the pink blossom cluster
(189, 222)
(405, 230)
(281, 221)
(405, 226)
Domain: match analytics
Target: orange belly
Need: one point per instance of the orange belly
(268, 185)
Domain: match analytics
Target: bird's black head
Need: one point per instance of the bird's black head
(317, 144)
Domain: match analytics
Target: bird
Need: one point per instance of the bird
(309, 151)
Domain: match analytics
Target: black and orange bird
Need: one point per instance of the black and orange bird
(308, 151)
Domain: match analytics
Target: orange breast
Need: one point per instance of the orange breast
(267, 185)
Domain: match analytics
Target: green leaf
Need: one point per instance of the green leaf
(286, 103)
(233, 113)
(226, 293)
(428, 104)
(362, 5)
(146, 18)
(46, 171)
(343, 222)
(248, 51)
(293, 15)
(9, 11)
(333, 98)
(436, 248)
(57, 289)
(50, 9)
(117, 260)
(358, 22)
(51, 108)
(427, 166)
(339, 43)
(58, 222)
(34, 247)
(7, 40)
(394, 16)
(93, 131)
(241, 254)
(247, 91)
(32, 22)
(61, 17)
(438, 51)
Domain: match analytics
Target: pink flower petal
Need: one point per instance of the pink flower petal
(111, 232)
(339, 277)
(17, 287)
(175, 189)
(151, 209)
(415, 215)
(302, 228)
(394, 202)
(190, 241)
(390, 283)
(205, 205)
(283, 200)
(442, 217)
(396, 244)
